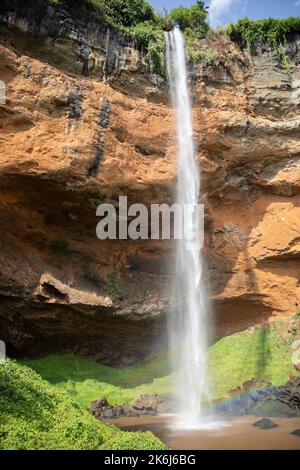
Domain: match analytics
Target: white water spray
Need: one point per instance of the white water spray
(188, 325)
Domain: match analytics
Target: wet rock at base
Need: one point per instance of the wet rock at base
(150, 405)
(101, 409)
(296, 355)
(283, 401)
(265, 423)
(158, 404)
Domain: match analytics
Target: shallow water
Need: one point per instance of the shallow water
(221, 434)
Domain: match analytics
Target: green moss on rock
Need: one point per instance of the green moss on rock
(35, 415)
(134, 441)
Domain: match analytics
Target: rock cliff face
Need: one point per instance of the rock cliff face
(84, 122)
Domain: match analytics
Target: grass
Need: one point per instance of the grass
(35, 415)
(85, 380)
(261, 353)
(134, 441)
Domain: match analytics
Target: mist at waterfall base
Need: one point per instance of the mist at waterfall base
(188, 324)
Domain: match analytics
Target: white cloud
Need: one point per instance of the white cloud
(222, 11)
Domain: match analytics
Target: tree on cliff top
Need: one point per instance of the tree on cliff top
(193, 18)
(129, 12)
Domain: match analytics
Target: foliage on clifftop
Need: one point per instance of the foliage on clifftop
(138, 19)
(271, 31)
(34, 415)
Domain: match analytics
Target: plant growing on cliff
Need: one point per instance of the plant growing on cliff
(193, 19)
(138, 19)
(113, 285)
(272, 31)
(284, 58)
(149, 38)
(129, 13)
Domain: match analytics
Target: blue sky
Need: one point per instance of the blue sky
(225, 11)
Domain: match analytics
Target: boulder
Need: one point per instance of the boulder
(296, 354)
(296, 345)
(254, 384)
(283, 401)
(143, 405)
(158, 404)
(100, 408)
(265, 423)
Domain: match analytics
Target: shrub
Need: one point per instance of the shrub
(60, 246)
(194, 18)
(143, 34)
(156, 56)
(36, 416)
(134, 441)
(113, 285)
(272, 31)
(129, 13)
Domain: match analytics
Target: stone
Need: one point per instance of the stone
(159, 404)
(255, 384)
(296, 345)
(296, 359)
(270, 401)
(150, 405)
(296, 432)
(265, 423)
(101, 407)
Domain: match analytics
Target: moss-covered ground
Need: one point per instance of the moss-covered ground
(34, 415)
(261, 353)
(43, 402)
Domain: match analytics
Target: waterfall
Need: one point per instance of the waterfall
(188, 323)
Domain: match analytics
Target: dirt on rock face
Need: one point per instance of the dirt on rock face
(69, 142)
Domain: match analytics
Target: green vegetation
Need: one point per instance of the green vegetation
(134, 441)
(34, 415)
(127, 13)
(272, 31)
(138, 19)
(113, 285)
(85, 380)
(261, 353)
(192, 20)
(207, 56)
(60, 246)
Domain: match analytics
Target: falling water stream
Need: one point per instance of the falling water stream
(188, 324)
